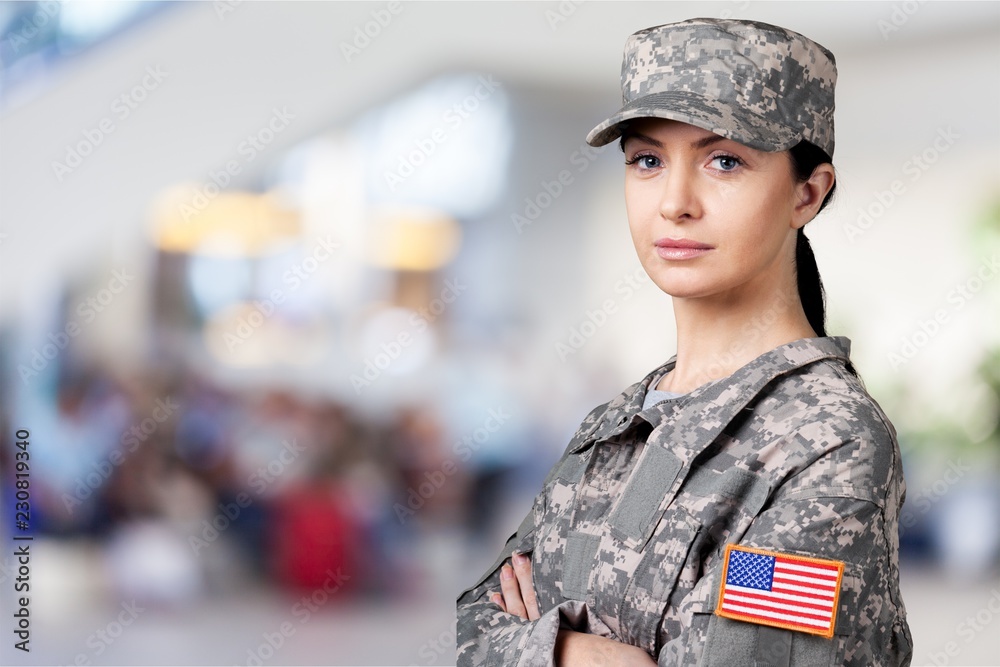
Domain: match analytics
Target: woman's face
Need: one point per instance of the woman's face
(710, 216)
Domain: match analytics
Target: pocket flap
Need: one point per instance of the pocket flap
(640, 502)
(578, 563)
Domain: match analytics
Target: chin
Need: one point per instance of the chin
(678, 288)
(681, 280)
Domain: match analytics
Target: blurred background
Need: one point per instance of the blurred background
(300, 301)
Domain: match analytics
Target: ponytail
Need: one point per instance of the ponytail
(811, 292)
(805, 158)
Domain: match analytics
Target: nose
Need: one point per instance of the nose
(679, 199)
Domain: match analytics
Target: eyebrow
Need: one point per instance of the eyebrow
(699, 143)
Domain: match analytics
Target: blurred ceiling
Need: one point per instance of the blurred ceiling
(230, 66)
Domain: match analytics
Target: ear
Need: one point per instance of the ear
(809, 195)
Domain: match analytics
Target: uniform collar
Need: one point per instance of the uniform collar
(720, 399)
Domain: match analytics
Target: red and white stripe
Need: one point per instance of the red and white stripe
(803, 594)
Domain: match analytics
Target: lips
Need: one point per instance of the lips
(682, 243)
(681, 249)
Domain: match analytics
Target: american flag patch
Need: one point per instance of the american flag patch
(781, 590)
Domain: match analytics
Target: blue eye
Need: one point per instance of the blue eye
(645, 161)
(727, 162)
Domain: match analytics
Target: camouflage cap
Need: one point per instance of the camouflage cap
(763, 86)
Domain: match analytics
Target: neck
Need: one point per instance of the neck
(715, 337)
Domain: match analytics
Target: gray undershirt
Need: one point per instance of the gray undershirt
(654, 396)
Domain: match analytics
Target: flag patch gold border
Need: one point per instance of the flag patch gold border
(828, 633)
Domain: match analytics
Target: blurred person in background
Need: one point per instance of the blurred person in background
(739, 505)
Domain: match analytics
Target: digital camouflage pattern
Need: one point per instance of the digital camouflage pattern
(763, 86)
(789, 454)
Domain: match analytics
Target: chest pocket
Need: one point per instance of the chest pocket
(632, 518)
(724, 502)
(667, 559)
(612, 559)
(558, 541)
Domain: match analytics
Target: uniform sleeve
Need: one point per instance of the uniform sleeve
(836, 509)
(487, 635)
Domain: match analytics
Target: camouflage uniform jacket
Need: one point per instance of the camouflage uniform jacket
(789, 454)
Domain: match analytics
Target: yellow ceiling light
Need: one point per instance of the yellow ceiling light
(187, 219)
(413, 239)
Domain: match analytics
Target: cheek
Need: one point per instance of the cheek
(631, 199)
(758, 219)
(640, 242)
(756, 242)
(637, 212)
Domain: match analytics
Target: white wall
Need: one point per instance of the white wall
(226, 73)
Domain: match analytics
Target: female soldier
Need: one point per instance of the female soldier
(739, 505)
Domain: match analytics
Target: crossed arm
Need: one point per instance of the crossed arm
(572, 648)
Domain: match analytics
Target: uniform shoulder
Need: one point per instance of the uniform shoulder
(826, 392)
(826, 410)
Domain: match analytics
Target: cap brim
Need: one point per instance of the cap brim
(709, 114)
